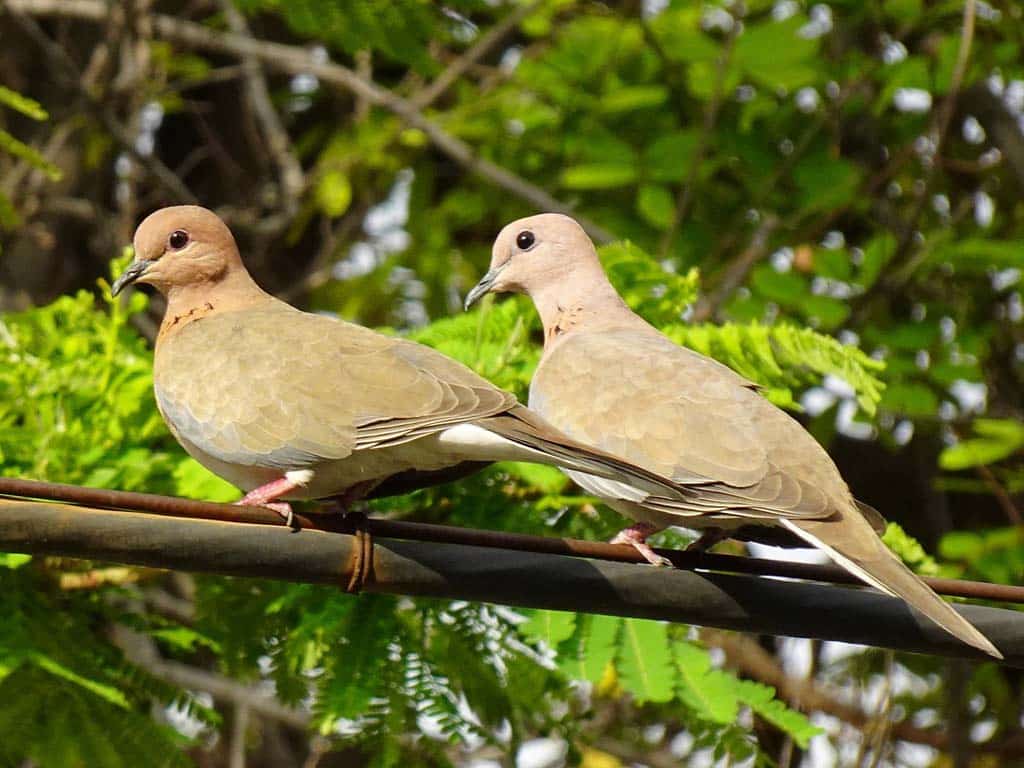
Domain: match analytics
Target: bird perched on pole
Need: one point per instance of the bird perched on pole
(287, 405)
(610, 379)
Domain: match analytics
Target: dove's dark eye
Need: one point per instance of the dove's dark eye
(525, 240)
(178, 239)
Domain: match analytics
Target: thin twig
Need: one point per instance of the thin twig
(744, 654)
(239, 728)
(736, 272)
(685, 195)
(1002, 497)
(484, 45)
(940, 132)
(292, 179)
(66, 71)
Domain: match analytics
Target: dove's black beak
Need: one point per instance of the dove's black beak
(483, 287)
(135, 270)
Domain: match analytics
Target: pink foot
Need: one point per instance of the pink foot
(265, 495)
(636, 536)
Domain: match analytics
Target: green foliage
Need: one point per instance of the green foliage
(997, 439)
(909, 550)
(76, 400)
(653, 663)
(679, 131)
(785, 359)
(400, 29)
(995, 555)
(33, 110)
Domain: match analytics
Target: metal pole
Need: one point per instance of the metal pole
(457, 571)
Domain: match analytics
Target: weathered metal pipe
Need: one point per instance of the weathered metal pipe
(445, 570)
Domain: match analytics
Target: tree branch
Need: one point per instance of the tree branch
(292, 179)
(477, 51)
(296, 60)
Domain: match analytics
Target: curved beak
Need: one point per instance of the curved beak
(483, 287)
(135, 270)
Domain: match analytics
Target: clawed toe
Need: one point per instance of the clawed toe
(636, 536)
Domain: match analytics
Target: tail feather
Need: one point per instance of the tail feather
(527, 429)
(864, 555)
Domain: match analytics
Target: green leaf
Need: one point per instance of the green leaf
(599, 645)
(877, 253)
(194, 481)
(30, 155)
(909, 550)
(828, 313)
(998, 439)
(785, 288)
(980, 254)
(23, 104)
(106, 692)
(14, 560)
(774, 54)
(826, 182)
(910, 399)
(784, 357)
(902, 10)
(761, 699)
(334, 193)
(961, 545)
(708, 692)
(552, 627)
(669, 157)
(633, 98)
(654, 202)
(598, 176)
(644, 662)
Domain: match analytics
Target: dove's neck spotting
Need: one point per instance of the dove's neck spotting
(584, 299)
(232, 290)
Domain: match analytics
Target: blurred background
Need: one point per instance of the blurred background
(823, 195)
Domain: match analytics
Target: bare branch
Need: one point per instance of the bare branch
(292, 179)
(477, 51)
(737, 271)
(296, 60)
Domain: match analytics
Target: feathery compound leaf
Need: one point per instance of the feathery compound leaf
(652, 291)
(761, 699)
(644, 662)
(784, 358)
(707, 691)
(353, 678)
(493, 340)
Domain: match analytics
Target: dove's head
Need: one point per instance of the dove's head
(536, 254)
(181, 247)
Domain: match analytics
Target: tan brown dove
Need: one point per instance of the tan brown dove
(611, 380)
(291, 405)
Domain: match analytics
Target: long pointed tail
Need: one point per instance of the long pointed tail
(525, 428)
(849, 539)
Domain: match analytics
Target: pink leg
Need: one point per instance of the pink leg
(636, 536)
(264, 495)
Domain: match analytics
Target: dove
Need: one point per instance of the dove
(289, 405)
(608, 378)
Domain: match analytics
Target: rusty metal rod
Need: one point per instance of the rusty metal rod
(526, 579)
(401, 529)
